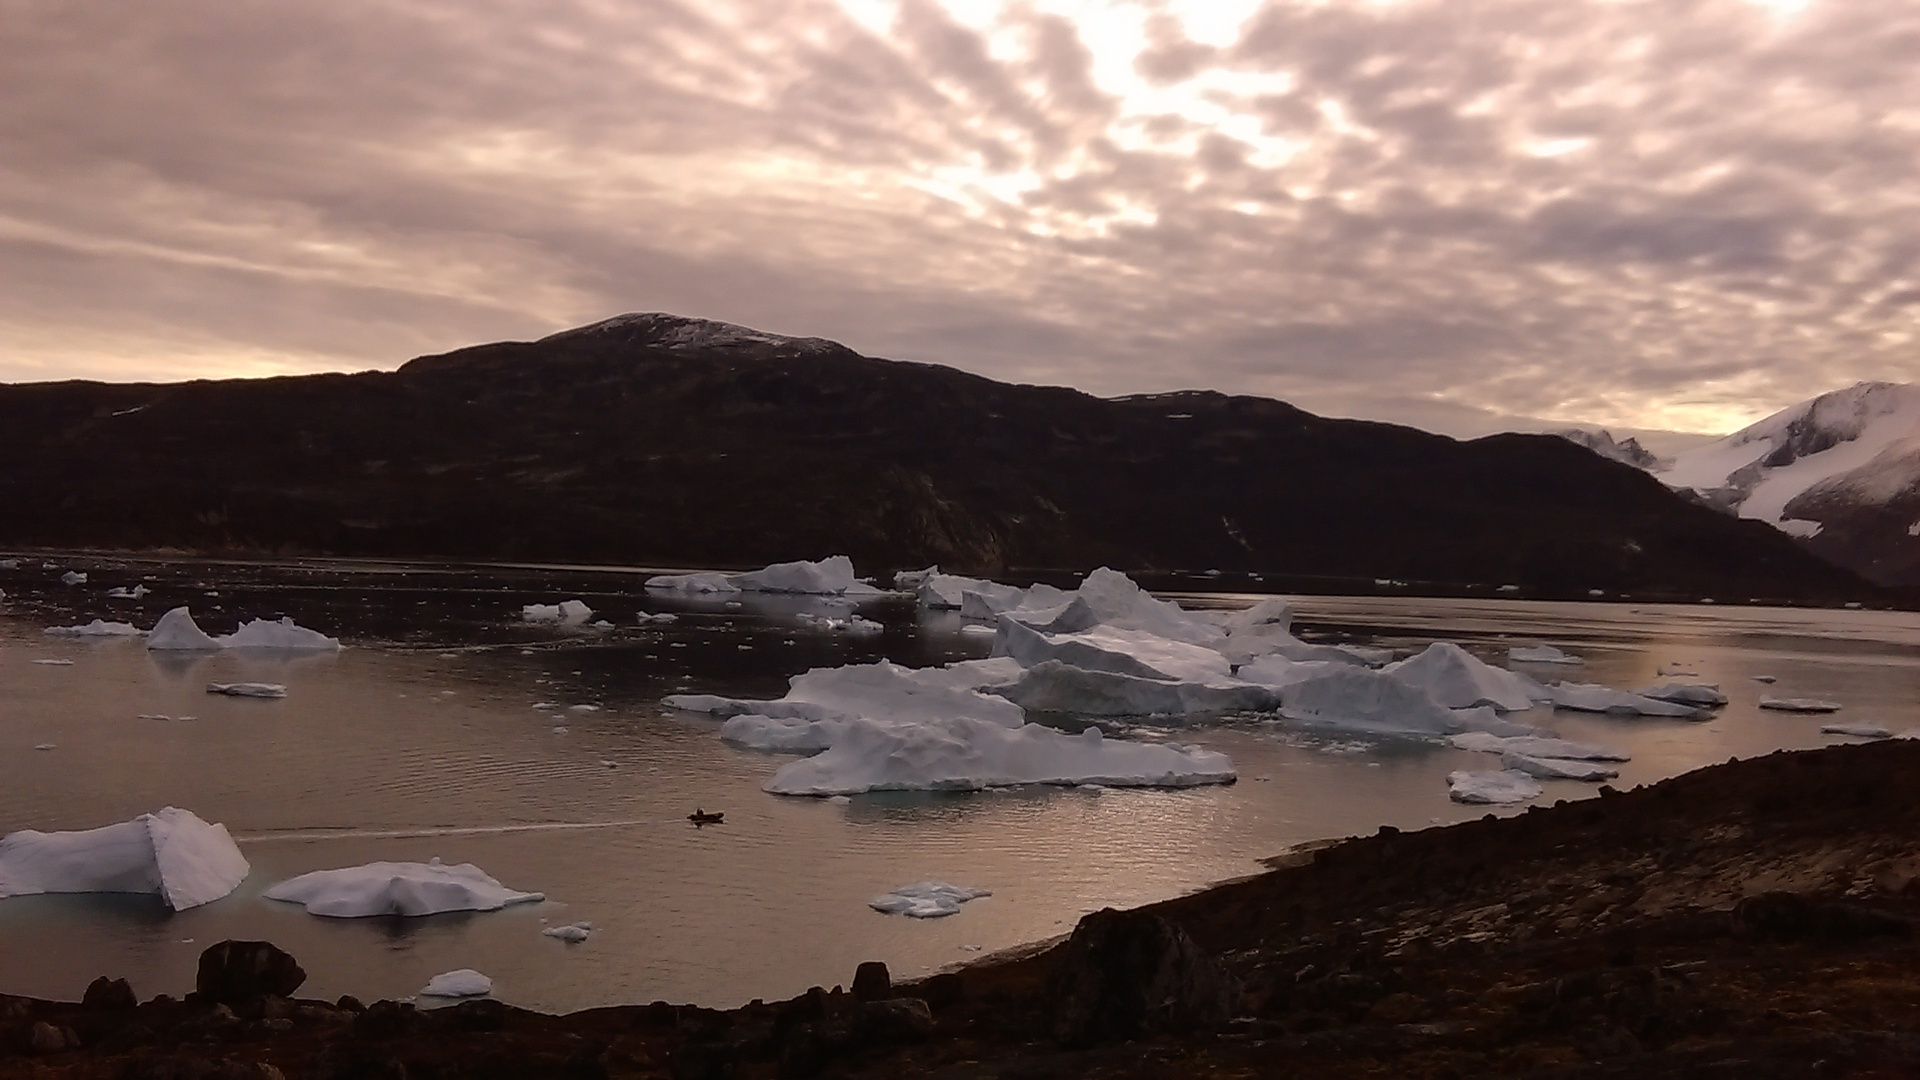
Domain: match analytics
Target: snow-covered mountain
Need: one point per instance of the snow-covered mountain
(1841, 471)
(1628, 450)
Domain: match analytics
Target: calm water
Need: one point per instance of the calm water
(422, 740)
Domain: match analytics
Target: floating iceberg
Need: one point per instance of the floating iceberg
(1456, 679)
(882, 689)
(1112, 649)
(169, 853)
(282, 633)
(1058, 687)
(853, 624)
(1592, 697)
(124, 593)
(1859, 730)
(464, 983)
(566, 613)
(705, 582)
(73, 577)
(1705, 695)
(1558, 768)
(1541, 654)
(913, 579)
(1538, 746)
(390, 888)
(989, 600)
(96, 628)
(1799, 704)
(1265, 630)
(572, 933)
(1371, 702)
(660, 617)
(926, 900)
(176, 631)
(970, 754)
(248, 689)
(832, 576)
(1505, 786)
(781, 734)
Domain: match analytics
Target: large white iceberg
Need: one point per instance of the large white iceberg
(176, 631)
(1113, 649)
(926, 900)
(1458, 680)
(832, 576)
(1060, 687)
(703, 582)
(1505, 786)
(398, 888)
(1592, 697)
(169, 853)
(96, 628)
(1373, 702)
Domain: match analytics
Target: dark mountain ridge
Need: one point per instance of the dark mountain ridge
(657, 440)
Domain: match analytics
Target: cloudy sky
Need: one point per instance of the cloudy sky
(1646, 213)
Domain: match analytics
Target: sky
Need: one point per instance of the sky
(1461, 214)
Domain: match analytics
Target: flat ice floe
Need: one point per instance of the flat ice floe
(1859, 730)
(1547, 768)
(248, 689)
(398, 888)
(1799, 704)
(926, 900)
(571, 933)
(1541, 654)
(1505, 786)
(1536, 746)
(169, 853)
(96, 628)
(1592, 697)
(832, 576)
(566, 613)
(1704, 695)
(464, 983)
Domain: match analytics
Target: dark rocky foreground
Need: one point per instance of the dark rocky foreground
(657, 441)
(1754, 919)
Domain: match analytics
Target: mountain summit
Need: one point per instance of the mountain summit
(653, 439)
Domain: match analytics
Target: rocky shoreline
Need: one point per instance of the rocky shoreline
(1752, 919)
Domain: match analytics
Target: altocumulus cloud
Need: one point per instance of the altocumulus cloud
(1669, 213)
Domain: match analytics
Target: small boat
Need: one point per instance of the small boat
(701, 817)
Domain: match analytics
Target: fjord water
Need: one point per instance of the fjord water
(423, 739)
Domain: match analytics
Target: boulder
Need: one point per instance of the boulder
(871, 982)
(1125, 974)
(235, 972)
(106, 994)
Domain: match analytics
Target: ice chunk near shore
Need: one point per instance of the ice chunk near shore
(566, 613)
(1539, 746)
(464, 983)
(832, 576)
(1592, 697)
(1458, 680)
(1800, 705)
(971, 755)
(398, 888)
(1541, 654)
(96, 628)
(1370, 702)
(1505, 786)
(169, 853)
(177, 632)
(282, 633)
(571, 933)
(1859, 730)
(248, 689)
(1057, 686)
(73, 577)
(1557, 768)
(926, 900)
(123, 593)
(703, 582)
(1705, 695)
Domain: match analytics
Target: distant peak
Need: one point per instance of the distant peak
(666, 331)
(1628, 451)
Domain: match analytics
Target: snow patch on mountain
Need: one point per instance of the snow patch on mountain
(663, 330)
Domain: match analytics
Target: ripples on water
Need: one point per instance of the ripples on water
(420, 741)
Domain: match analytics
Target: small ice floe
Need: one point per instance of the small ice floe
(73, 577)
(705, 582)
(840, 800)
(1592, 697)
(1558, 768)
(1538, 746)
(55, 663)
(605, 764)
(124, 593)
(1858, 729)
(169, 853)
(662, 617)
(1705, 695)
(153, 716)
(464, 983)
(9, 564)
(583, 708)
(403, 888)
(546, 705)
(1508, 588)
(566, 613)
(248, 689)
(45, 746)
(926, 900)
(831, 576)
(975, 629)
(601, 624)
(1764, 679)
(559, 729)
(908, 580)
(852, 624)
(96, 628)
(571, 933)
(1505, 786)
(1677, 671)
(1541, 654)
(1799, 704)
